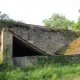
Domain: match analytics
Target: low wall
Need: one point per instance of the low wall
(25, 61)
(35, 60)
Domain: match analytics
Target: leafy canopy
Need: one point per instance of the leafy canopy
(58, 21)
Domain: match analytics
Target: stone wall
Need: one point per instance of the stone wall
(25, 61)
(41, 60)
(46, 39)
(6, 47)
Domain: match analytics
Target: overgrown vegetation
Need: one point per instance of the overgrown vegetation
(5, 50)
(57, 68)
(5, 21)
(12, 23)
(50, 71)
(59, 21)
(0, 58)
(45, 72)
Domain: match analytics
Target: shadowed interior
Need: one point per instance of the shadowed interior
(21, 49)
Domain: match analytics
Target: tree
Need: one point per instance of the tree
(58, 21)
(4, 16)
(76, 26)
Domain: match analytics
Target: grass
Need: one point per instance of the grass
(41, 72)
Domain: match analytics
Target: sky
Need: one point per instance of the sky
(34, 11)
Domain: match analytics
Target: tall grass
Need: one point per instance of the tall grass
(41, 72)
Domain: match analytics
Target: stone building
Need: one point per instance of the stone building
(22, 44)
(17, 50)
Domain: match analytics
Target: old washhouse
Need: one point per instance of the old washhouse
(19, 51)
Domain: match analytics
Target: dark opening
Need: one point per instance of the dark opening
(20, 49)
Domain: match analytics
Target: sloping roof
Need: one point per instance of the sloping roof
(26, 42)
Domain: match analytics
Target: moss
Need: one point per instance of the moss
(71, 47)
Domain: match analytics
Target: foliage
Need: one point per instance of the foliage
(5, 21)
(42, 71)
(5, 50)
(11, 23)
(61, 22)
(39, 72)
(58, 59)
(58, 21)
(4, 53)
(0, 58)
(76, 26)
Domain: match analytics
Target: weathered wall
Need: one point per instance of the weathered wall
(25, 61)
(49, 40)
(6, 47)
(41, 60)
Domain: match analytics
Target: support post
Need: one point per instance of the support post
(7, 46)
